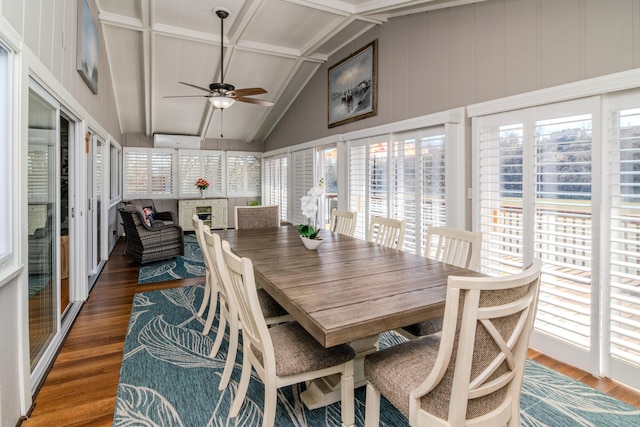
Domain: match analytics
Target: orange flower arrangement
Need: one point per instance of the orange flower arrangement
(202, 184)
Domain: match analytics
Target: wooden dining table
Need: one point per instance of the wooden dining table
(347, 291)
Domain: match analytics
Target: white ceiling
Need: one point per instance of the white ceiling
(274, 44)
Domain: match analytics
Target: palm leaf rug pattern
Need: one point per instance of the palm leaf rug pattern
(168, 379)
(189, 265)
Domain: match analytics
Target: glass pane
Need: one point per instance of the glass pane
(563, 227)
(330, 183)
(624, 273)
(41, 190)
(500, 166)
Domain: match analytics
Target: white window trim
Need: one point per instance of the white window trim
(8, 239)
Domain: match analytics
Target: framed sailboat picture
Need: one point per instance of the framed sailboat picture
(88, 42)
(353, 87)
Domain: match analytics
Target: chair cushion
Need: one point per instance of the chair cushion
(427, 327)
(396, 371)
(270, 308)
(296, 351)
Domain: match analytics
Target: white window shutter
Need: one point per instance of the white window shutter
(303, 180)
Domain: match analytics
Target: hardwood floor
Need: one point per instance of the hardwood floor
(80, 389)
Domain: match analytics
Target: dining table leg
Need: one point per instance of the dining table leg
(326, 390)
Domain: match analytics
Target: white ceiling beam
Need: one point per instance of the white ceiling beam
(113, 19)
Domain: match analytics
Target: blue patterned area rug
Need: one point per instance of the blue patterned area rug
(191, 264)
(168, 379)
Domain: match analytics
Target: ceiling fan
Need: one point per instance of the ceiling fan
(223, 95)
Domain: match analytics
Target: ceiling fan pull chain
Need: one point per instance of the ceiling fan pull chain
(221, 121)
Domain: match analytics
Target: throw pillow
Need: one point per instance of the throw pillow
(148, 215)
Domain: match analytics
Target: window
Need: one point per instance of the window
(402, 179)
(6, 171)
(194, 164)
(274, 175)
(623, 341)
(536, 200)
(303, 179)
(148, 173)
(244, 174)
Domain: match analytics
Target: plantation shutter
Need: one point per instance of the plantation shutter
(624, 261)
(38, 158)
(303, 180)
(563, 226)
(358, 188)
(275, 183)
(369, 180)
(148, 173)
(500, 195)
(244, 174)
(419, 183)
(161, 173)
(535, 200)
(194, 164)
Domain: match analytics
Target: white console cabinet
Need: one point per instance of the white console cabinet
(213, 212)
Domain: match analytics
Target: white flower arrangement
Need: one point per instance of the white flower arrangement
(309, 205)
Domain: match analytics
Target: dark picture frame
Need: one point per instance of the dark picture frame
(88, 46)
(353, 87)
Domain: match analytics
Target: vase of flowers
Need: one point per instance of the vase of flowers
(309, 232)
(202, 185)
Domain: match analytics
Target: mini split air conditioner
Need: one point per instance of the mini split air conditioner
(185, 142)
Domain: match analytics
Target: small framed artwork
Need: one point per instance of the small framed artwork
(353, 87)
(87, 54)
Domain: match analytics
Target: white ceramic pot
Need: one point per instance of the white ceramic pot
(311, 244)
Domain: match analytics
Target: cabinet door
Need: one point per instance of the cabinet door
(219, 219)
(185, 214)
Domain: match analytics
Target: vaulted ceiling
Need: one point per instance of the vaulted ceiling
(152, 45)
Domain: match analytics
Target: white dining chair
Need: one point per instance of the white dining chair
(210, 297)
(228, 308)
(272, 312)
(387, 232)
(452, 246)
(472, 374)
(343, 222)
(284, 354)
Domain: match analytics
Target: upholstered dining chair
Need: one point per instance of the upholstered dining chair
(257, 216)
(273, 312)
(210, 297)
(452, 246)
(471, 374)
(284, 354)
(386, 231)
(343, 222)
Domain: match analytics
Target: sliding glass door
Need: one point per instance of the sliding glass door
(42, 194)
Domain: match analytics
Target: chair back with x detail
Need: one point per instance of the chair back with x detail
(472, 374)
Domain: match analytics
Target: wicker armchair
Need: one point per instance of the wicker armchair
(148, 244)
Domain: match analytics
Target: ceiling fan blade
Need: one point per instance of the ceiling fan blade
(197, 87)
(254, 101)
(188, 96)
(246, 92)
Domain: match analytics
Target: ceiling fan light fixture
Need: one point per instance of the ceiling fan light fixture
(221, 102)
